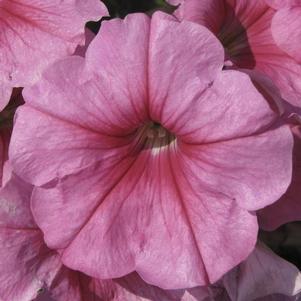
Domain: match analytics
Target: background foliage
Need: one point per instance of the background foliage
(121, 8)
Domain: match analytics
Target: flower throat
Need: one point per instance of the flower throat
(154, 136)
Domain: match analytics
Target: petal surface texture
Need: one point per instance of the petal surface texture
(158, 159)
(35, 33)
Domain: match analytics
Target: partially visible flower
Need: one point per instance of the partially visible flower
(255, 36)
(33, 34)
(148, 154)
(265, 43)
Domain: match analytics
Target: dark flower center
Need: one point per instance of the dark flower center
(154, 136)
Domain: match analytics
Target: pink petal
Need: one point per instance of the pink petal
(26, 264)
(121, 68)
(286, 30)
(270, 92)
(222, 101)
(209, 13)
(36, 33)
(83, 138)
(175, 2)
(277, 4)
(173, 78)
(288, 207)
(261, 275)
(81, 49)
(285, 73)
(236, 167)
(15, 212)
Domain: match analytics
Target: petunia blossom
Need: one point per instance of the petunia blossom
(147, 154)
(256, 36)
(34, 34)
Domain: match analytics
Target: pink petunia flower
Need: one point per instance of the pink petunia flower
(147, 154)
(34, 34)
(255, 36)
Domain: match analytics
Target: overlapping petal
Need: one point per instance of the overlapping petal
(286, 30)
(278, 4)
(288, 207)
(36, 33)
(81, 49)
(26, 263)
